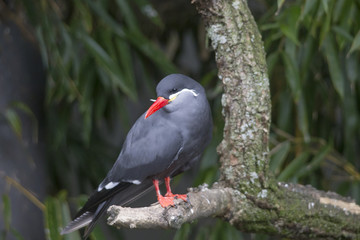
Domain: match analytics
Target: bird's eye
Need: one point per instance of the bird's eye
(174, 90)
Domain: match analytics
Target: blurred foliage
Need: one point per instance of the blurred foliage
(313, 53)
(93, 52)
(102, 56)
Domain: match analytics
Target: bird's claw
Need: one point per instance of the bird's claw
(168, 199)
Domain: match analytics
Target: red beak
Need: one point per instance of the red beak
(159, 103)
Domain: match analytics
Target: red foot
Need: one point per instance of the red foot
(183, 197)
(166, 201)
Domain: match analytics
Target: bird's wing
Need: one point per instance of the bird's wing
(149, 149)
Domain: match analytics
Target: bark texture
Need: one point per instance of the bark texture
(252, 201)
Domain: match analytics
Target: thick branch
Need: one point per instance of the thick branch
(242, 68)
(298, 212)
(203, 203)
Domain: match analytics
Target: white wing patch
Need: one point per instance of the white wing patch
(108, 186)
(174, 95)
(111, 185)
(136, 182)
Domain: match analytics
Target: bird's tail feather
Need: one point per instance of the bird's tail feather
(99, 212)
(78, 223)
(128, 194)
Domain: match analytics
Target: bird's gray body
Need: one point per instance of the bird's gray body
(165, 144)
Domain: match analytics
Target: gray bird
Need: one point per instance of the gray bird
(165, 141)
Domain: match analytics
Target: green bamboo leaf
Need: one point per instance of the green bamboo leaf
(277, 158)
(308, 7)
(42, 46)
(285, 111)
(339, 8)
(325, 27)
(343, 32)
(292, 75)
(183, 232)
(303, 118)
(332, 57)
(104, 16)
(57, 215)
(16, 234)
(25, 108)
(6, 211)
(294, 167)
(325, 4)
(288, 22)
(352, 69)
(355, 44)
(52, 221)
(272, 60)
(99, 104)
(280, 3)
(14, 120)
(66, 218)
(128, 15)
(126, 61)
(151, 51)
(111, 68)
(136, 38)
(315, 162)
(147, 9)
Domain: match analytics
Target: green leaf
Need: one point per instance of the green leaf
(111, 68)
(309, 6)
(355, 44)
(325, 4)
(16, 234)
(151, 51)
(285, 114)
(303, 118)
(7, 211)
(272, 59)
(342, 32)
(126, 61)
(332, 57)
(52, 221)
(14, 120)
(183, 232)
(128, 15)
(104, 16)
(280, 3)
(315, 162)
(147, 9)
(325, 28)
(277, 158)
(352, 69)
(292, 75)
(57, 215)
(289, 23)
(294, 167)
(26, 109)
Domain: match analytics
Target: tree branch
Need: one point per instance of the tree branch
(203, 202)
(299, 212)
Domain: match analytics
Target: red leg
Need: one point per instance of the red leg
(170, 194)
(164, 201)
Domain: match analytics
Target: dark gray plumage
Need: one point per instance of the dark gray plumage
(163, 142)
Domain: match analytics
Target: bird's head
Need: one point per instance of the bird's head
(173, 91)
